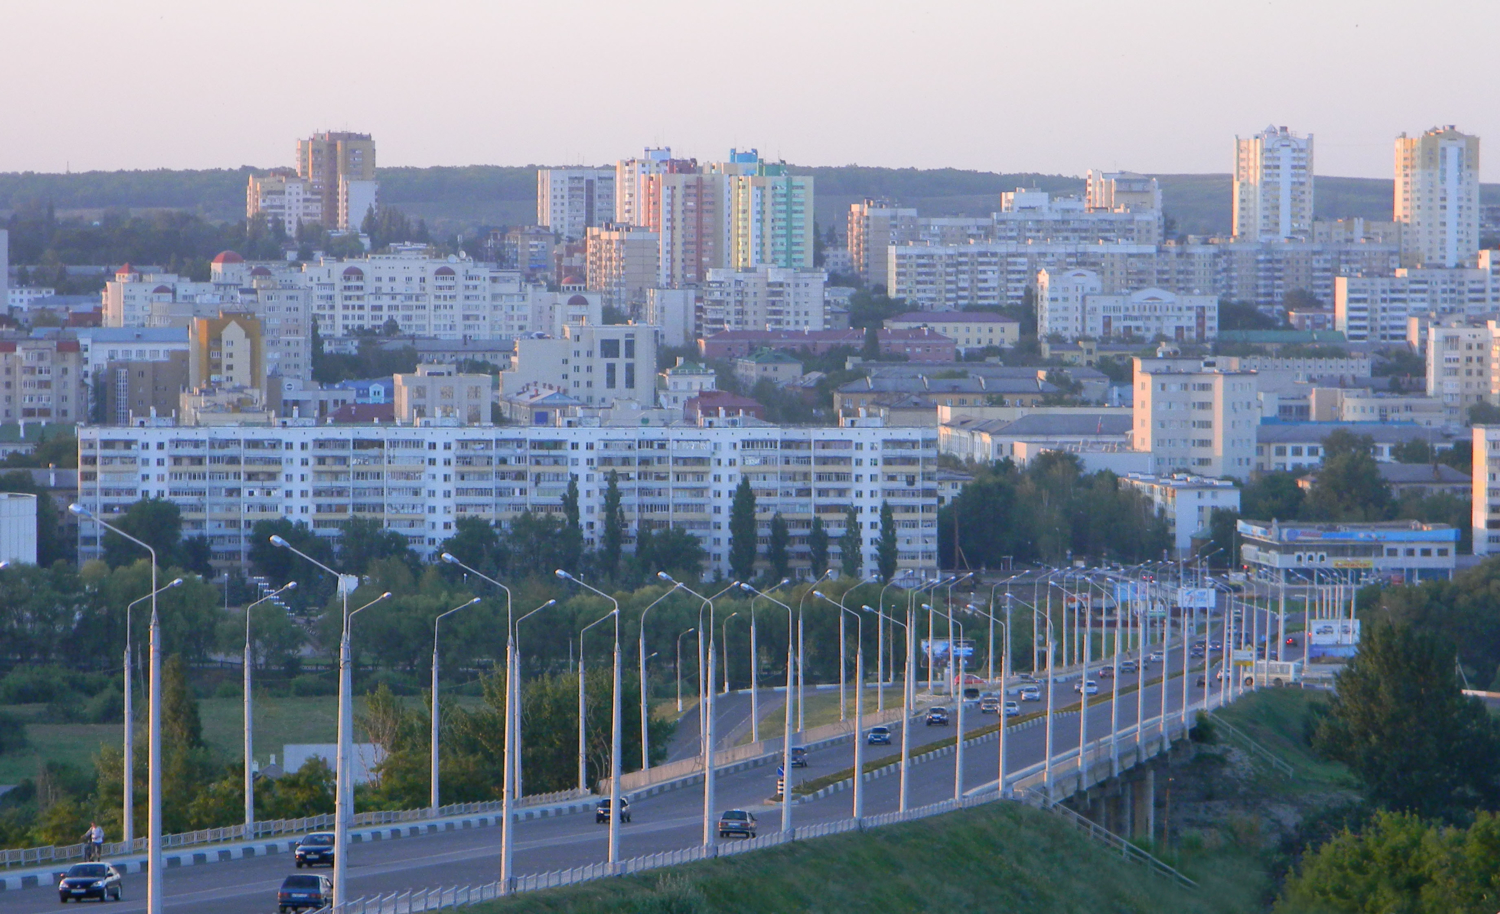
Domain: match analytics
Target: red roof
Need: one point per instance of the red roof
(125, 270)
(68, 346)
(227, 257)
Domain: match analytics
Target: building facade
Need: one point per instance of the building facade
(1194, 417)
(334, 164)
(967, 329)
(570, 201)
(765, 298)
(595, 365)
(440, 393)
(1273, 185)
(622, 264)
(419, 481)
(1437, 197)
(1187, 502)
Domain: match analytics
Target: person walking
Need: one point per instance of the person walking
(93, 848)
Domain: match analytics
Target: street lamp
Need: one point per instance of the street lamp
(249, 665)
(343, 802)
(705, 702)
(802, 657)
(614, 739)
(844, 701)
(952, 653)
(129, 769)
(435, 707)
(859, 702)
(786, 735)
(645, 715)
(510, 768)
(678, 668)
(1004, 677)
(880, 641)
(724, 628)
(155, 894)
(754, 667)
(907, 697)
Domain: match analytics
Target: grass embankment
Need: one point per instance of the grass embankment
(278, 721)
(1000, 857)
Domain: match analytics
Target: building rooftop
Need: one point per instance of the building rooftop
(1275, 432)
(1413, 473)
(925, 385)
(769, 356)
(973, 317)
(1180, 481)
(1282, 337)
(1372, 531)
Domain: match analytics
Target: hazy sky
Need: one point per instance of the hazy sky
(1045, 85)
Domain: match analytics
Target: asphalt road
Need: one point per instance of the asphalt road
(663, 822)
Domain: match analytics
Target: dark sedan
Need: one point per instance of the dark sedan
(89, 880)
(315, 850)
(298, 892)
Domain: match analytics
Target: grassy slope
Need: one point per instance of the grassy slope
(995, 858)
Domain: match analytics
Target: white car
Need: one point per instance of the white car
(1154, 657)
(1086, 686)
(1031, 693)
(1012, 709)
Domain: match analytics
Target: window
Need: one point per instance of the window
(629, 348)
(629, 373)
(609, 349)
(609, 375)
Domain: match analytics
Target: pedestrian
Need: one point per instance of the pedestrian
(93, 848)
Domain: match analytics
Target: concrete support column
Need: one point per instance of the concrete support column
(1150, 791)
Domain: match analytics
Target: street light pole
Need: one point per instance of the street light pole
(614, 739)
(129, 768)
(645, 714)
(436, 713)
(725, 629)
(249, 744)
(786, 734)
(802, 657)
(678, 668)
(155, 892)
(512, 764)
(583, 771)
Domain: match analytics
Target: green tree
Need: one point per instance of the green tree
(851, 558)
(51, 545)
(1484, 414)
(671, 549)
(885, 553)
(195, 554)
(1274, 496)
(613, 540)
(363, 540)
(308, 791)
(817, 547)
(1400, 722)
(776, 547)
(280, 565)
(537, 543)
(155, 521)
(186, 766)
(571, 548)
(743, 545)
(476, 543)
(1349, 486)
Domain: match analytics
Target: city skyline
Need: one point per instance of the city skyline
(1054, 89)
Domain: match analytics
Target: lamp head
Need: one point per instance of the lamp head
(926, 605)
(819, 593)
(747, 588)
(289, 585)
(278, 540)
(868, 608)
(449, 558)
(549, 603)
(666, 577)
(784, 582)
(472, 602)
(80, 510)
(175, 582)
(5, 563)
(564, 575)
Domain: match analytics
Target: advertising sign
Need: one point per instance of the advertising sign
(1353, 563)
(963, 648)
(1125, 592)
(1195, 597)
(1333, 631)
(1243, 655)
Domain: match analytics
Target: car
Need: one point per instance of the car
(1031, 693)
(1202, 681)
(1012, 709)
(1129, 666)
(1291, 641)
(1107, 672)
(799, 757)
(300, 891)
(989, 704)
(879, 736)
(1154, 657)
(937, 717)
(1088, 686)
(89, 880)
(601, 812)
(314, 849)
(737, 822)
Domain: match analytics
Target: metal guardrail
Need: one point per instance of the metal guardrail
(1103, 835)
(1277, 762)
(273, 827)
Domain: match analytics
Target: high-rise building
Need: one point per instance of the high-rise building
(1273, 185)
(1437, 197)
(334, 164)
(875, 225)
(771, 219)
(1121, 192)
(44, 379)
(630, 181)
(1485, 501)
(226, 351)
(281, 198)
(570, 201)
(1194, 417)
(622, 263)
(690, 214)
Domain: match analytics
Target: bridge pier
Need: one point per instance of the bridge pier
(1143, 805)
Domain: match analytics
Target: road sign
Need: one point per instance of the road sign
(781, 787)
(1195, 597)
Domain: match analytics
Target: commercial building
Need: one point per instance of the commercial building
(420, 481)
(1187, 502)
(967, 329)
(570, 201)
(442, 394)
(1437, 197)
(1195, 417)
(1396, 550)
(133, 390)
(597, 365)
(339, 169)
(1072, 304)
(1273, 185)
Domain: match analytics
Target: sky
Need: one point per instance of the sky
(1052, 86)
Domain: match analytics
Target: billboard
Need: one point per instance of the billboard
(1195, 597)
(963, 648)
(1333, 631)
(1126, 592)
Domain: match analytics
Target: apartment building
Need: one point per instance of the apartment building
(1195, 417)
(442, 394)
(765, 298)
(630, 181)
(1361, 404)
(1037, 216)
(689, 212)
(43, 379)
(771, 219)
(133, 390)
(1187, 502)
(339, 169)
(873, 226)
(419, 481)
(1378, 308)
(226, 351)
(283, 199)
(596, 365)
(622, 263)
(570, 201)
(1485, 502)
(1295, 445)
(1072, 304)
(1273, 185)
(530, 250)
(967, 329)
(1462, 367)
(684, 381)
(1121, 192)
(1437, 197)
